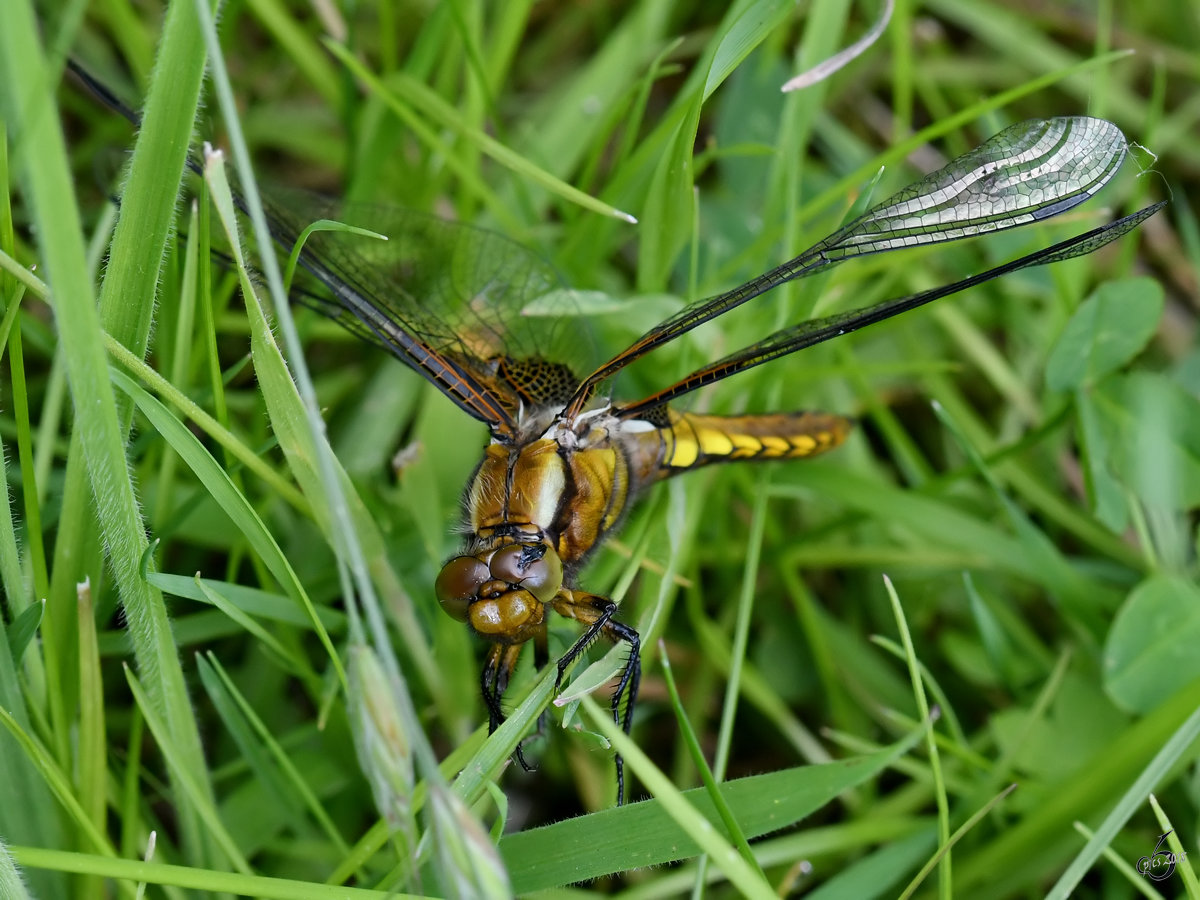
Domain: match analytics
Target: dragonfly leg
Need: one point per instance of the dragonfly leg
(541, 656)
(498, 668)
(501, 660)
(597, 613)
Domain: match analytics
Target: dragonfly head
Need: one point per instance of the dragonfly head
(501, 592)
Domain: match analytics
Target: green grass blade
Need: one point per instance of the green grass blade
(12, 885)
(218, 483)
(29, 107)
(649, 833)
(196, 879)
(430, 105)
(187, 780)
(1132, 800)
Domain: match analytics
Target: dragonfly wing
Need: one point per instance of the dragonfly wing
(446, 298)
(816, 331)
(1029, 171)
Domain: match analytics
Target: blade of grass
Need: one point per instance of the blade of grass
(1138, 882)
(352, 568)
(180, 363)
(935, 760)
(1129, 803)
(430, 106)
(58, 782)
(648, 833)
(12, 885)
(251, 601)
(232, 501)
(732, 830)
(1124, 773)
(93, 757)
(25, 804)
(1186, 872)
(218, 681)
(292, 661)
(951, 840)
(36, 549)
(237, 449)
(99, 425)
(236, 883)
(187, 781)
(744, 878)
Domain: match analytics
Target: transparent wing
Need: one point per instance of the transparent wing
(444, 297)
(1028, 172)
(815, 331)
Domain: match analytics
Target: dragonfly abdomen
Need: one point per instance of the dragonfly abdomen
(691, 440)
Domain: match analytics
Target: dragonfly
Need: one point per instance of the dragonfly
(567, 459)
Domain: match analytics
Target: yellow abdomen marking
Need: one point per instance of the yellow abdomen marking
(693, 440)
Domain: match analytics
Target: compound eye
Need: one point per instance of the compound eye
(458, 584)
(536, 568)
(508, 564)
(543, 577)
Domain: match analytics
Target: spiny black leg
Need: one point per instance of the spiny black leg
(501, 660)
(520, 755)
(631, 677)
(541, 656)
(606, 609)
(491, 687)
(597, 613)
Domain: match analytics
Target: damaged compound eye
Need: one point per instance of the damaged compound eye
(535, 567)
(458, 584)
